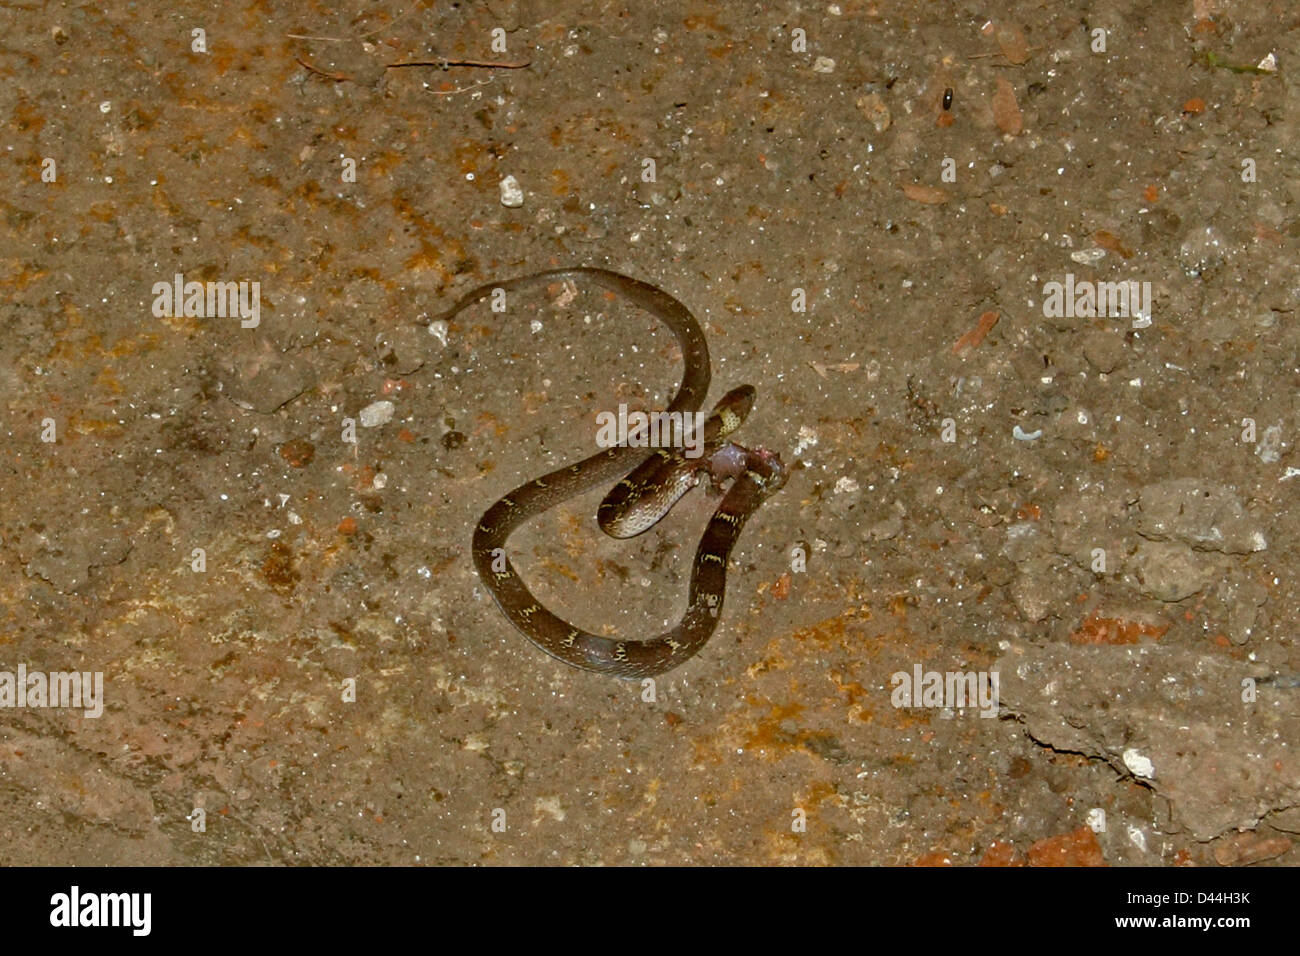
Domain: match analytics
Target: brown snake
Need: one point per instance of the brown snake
(756, 475)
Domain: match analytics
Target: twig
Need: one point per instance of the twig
(981, 56)
(463, 89)
(336, 77)
(489, 64)
(1212, 59)
(485, 64)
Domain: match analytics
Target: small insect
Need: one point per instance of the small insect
(947, 98)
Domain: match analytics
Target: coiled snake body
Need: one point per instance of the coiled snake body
(659, 478)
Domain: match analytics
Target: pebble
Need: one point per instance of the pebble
(1104, 350)
(1139, 765)
(1034, 595)
(1169, 571)
(376, 414)
(872, 106)
(1200, 513)
(512, 195)
(886, 529)
(438, 328)
(1270, 445)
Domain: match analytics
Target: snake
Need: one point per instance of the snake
(655, 479)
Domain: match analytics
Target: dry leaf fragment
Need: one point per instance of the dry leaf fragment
(1006, 113)
(976, 335)
(821, 367)
(1012, 43)
(1108, 240)
(931, 195)
(1267, 232)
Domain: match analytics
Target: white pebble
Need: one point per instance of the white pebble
(376, 414)
(512, 195)
(1139, 765)
(1137, 838)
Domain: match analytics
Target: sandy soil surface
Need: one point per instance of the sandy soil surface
(269, 567)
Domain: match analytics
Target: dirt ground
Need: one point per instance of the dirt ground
(292, 638)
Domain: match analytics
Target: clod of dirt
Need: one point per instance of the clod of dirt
(1199, 513)
(268, 382)
(1169, 571)
(1207, 739)
(1035, 594)
(64, 558)
(1104, 350)
(1242, 849)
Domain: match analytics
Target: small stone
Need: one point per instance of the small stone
(1244, 599)
(1169, 571)
(1137, 837)
(1034, 594)
(1206, 515)
(376, 414)
(1242, 849)
(886, 529)
(1269, 449)
(1288, 820)
(1104, 350)
(999, 572)
(512, 195)
(823, 64)
(1202, 248)
(1138, 765)
(1241, 622)
(439, 328)
(874, 109)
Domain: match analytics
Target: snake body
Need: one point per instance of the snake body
(755, 475)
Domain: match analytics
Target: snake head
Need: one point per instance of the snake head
(769, 467)
(733, 408)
